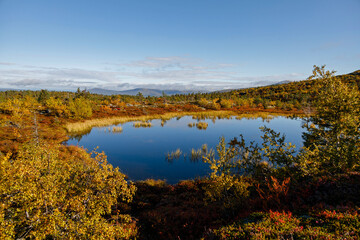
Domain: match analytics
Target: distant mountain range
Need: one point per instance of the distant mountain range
(155, 92)
(282, 82)
(8, 89)
(145, 92)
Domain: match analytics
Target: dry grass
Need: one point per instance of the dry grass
(153, 182)
(266, 116)
(196, 155)
(202, 125)
(102, 122)
(173, 155)
(142, 124)
(204, 148)
(117, 129)
(191, 125)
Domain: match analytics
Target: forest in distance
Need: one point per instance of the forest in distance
(49, 190)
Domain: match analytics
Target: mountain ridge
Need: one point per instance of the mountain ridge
(144, 91)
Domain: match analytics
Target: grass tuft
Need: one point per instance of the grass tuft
(202, 125)
(117, 129)
(173, 155)
(190, 125)
(142, 124)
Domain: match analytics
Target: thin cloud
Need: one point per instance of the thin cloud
(164, 73)
(7, 63)
(27, 82)
(162, 62)
(328, 46)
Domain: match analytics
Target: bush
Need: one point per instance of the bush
(282, 225)
(224, 184)
(238, 158)
(56, 107)
(226, 103)
(80, 108)
(47, 192)
(203, 102)
(332, 139)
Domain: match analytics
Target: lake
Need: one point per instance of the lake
(141, 152)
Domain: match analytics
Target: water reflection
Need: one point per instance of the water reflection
(79, 135)
(140, 152)
(163, 122)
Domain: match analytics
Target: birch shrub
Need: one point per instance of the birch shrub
(45, 194)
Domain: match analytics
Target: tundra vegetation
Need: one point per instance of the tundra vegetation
(255, 191)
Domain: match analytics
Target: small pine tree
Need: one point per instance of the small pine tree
(43, 96)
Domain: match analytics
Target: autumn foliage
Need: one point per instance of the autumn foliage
(47, 192)
(255, 191)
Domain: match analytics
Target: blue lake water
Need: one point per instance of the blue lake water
(141, 152)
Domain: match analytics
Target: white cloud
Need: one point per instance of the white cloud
(163, 62)
(173, 73)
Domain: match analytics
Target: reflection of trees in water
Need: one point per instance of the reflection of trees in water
(265, 117)
(163, 122)
(79, 135)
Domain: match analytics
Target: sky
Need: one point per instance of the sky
(173, 44)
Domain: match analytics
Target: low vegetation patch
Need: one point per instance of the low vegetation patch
(117, 129)
(190, 125)
(284, 225)
(170, 157)
(202, 125)
(142, 124)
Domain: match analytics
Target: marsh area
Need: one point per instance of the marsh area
(142, 152)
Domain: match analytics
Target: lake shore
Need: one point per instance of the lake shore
(101, 121)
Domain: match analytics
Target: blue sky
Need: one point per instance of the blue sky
(173, 44)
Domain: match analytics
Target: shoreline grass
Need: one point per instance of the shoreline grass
(103, 122)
